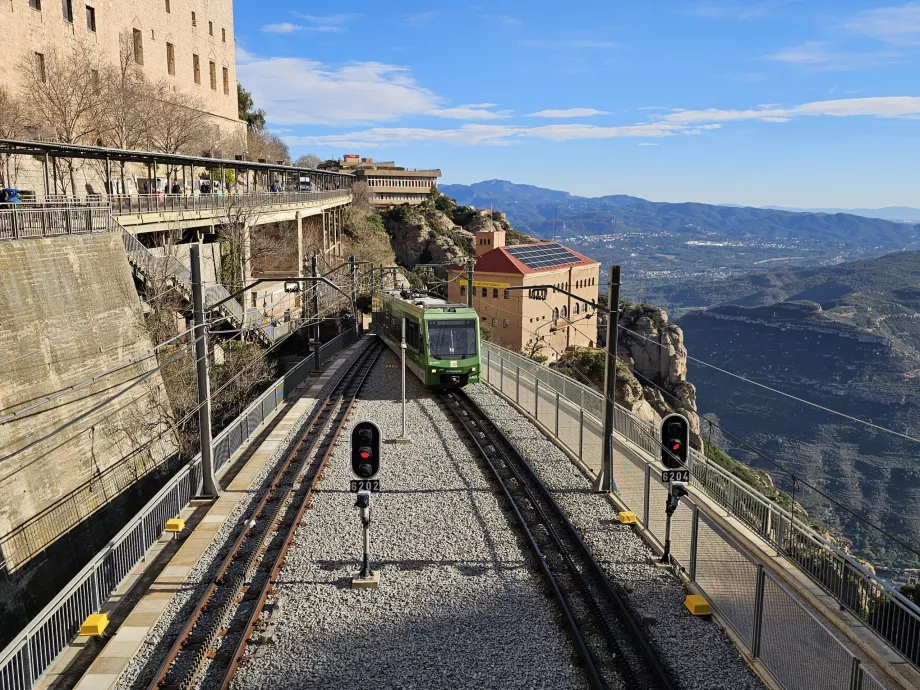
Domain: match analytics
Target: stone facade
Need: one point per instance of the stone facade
(389, 184)
(192, 27)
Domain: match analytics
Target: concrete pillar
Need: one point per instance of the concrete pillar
(298, 228)
(247, 257)
(326, 223)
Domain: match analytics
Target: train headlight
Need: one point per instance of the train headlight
(434, 371)
(472, 368)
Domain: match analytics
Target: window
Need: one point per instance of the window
(210, 28)
(576, 309)
(494, 293)
(90, 18)
(67, 7)
(36, 5)
(463, 290)
(39, 62)
(494, 321)
(138, 47)
(555, 313)
(194, 21)
(171, 59)
(226, 82)
(505, 323)
(212, 69)
(565, 312)
(507, 294)
(485, 292)
(196, 66)
(223, 35)
(167, 7)
(452, 338)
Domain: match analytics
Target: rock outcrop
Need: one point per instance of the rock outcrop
(426, 236)
(653, 348)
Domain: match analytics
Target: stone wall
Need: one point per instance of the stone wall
(69, 311)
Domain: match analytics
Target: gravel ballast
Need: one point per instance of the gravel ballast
(460, 603)
(695, 651)
(159, 640)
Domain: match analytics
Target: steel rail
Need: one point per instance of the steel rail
(216, 605)
(605, 632)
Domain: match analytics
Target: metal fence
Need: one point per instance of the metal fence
(36, 648)
(27, 222)
(573, 413)
(123, 204)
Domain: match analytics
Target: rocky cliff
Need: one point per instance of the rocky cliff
(652, 381)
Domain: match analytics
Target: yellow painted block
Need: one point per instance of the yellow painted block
(627, 517)
(175, 525)
(697, 605)
(94, 625)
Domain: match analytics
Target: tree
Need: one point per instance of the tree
(535, 349)
(265, 145)
(308, 160)
(176, 122)
(254, 119)
(14, 124)
(63, 90)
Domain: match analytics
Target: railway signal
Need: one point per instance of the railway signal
(365, 463)
(675, 456)
(365, 450)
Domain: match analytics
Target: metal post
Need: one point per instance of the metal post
(517, 383)
(366, 561)
(501, 375)
(536, 397)
(694, 540)
(403, 437)
(581, 434)
(470, 264)
(47, 180)
(605, 479)
(855, 674)
(353, 260)
(557, 414)
(666, 556)
(758, 611)
(648, 492)
(314, 270)
(209, 484)
(108, 176)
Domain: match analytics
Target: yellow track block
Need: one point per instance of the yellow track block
(627, 517)
(175, 525)
(94, 625)
(697, 605)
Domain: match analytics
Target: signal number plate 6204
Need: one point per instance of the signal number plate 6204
(675, 476)
(372, 485)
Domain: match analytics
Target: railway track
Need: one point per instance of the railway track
(614, 649)
(214, 638)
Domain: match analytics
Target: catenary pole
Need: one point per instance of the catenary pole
(470, 264)
(209, 483)
(403, 437)
(605, 480)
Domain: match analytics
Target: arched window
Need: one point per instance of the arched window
(565, 312)
(495, 293)
(576, 309)
(556, 314)
(485, 292)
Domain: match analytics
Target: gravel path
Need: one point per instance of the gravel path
(696, 651)
(151, 654)
(460, 604)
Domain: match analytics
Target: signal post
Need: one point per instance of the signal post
(675, 456)
(365, 463)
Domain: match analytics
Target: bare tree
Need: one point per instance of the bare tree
(63, 90)
(176, 122)
(125, 102)
(308, 161)
(265, 145)
(14, 123)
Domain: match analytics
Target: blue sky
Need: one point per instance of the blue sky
(806, 103)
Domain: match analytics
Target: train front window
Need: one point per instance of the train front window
(452, 339)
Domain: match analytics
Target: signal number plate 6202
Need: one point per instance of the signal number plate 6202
(675, 476)
(372, 485)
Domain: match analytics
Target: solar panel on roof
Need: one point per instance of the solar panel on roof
(539, 256)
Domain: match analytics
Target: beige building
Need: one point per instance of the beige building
(390, 184)
(187, 42)
(546, 326)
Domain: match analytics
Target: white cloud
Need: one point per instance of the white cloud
(469, 112)
(326, 20)
(881, 106)
(817, 56)
(569, 112)
(297, 91)
(647, 143)
(503, 19)
(896, 25)
(289, 28)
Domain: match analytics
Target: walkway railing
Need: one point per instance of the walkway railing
(36, 648)
(573, 412)
(27, 222)
(161, 202)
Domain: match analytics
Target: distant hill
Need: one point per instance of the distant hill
(902, 214)
(532, 210)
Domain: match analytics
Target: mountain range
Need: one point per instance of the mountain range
(902, 214)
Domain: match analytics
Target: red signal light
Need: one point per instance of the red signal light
(365, 455)
(676, 446)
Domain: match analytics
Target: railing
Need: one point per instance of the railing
(36, 648)
(123, 204)
(573, 412)
(26, 222)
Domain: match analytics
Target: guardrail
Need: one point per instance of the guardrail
(36, 648)
(28, 222)
(573, 412)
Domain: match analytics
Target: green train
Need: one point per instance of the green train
(442, 338)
